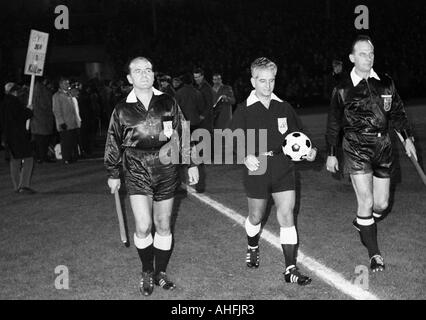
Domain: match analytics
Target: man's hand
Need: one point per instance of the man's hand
(224, 98)
(193, 175)
(251, 162)
(311, 155)
(332, 164)
(114, 184)
(410, 149)
(63, 126)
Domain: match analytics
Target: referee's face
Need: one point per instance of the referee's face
(363, 56)
(141, 74)
(263, 82)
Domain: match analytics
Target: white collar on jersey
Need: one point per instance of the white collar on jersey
(357, 79)
(252, 99)
(131, 98)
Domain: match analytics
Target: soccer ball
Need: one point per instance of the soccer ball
(296, 145)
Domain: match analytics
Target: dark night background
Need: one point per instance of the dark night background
(302, 36)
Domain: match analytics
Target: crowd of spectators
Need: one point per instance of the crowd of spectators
(303, 37)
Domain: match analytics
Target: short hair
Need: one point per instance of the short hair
(361, 38)
(336, 63)
(198, 70)
(63, 78)
(186, 78)
(131, 60)
(9, 87)
(217, 74)
(263, 63)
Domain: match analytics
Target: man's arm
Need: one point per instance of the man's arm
(334, 122)
(398, 116)
(113, 152)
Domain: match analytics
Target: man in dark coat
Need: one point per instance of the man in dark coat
(190, 101)
(42, 121)
(17, 140)
(207, 92)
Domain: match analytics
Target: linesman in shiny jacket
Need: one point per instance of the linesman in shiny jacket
(140, 129)
(362, 105)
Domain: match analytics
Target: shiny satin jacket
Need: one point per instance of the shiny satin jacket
(366, 108)
(133, 126)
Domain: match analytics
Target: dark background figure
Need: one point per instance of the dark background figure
(164, 85)
(206, 90)
(42, 122)
(117, 94)
(88, 121)
(177, 83)
(17, 139)
(333, 78)
(190, 101)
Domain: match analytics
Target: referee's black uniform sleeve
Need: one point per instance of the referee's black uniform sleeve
(397, 114)
(113, 152)
(334, 122)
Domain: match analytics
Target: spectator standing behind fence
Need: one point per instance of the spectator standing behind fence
(67, 121)
(17, 139)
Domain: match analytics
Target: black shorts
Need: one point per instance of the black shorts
(144, 174)
(368, 154)
(279, 176)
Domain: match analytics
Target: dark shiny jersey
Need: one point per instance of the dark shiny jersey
(363, 109)
(133, 126)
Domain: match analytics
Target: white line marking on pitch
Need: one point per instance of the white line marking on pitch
(326, 274)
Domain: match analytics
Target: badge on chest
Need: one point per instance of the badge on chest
(168, 128)
(387, 101)
(282, 125)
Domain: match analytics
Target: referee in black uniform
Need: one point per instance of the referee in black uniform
(264, 110)
(362, 105)
(140, 129)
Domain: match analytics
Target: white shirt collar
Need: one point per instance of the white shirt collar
(252, 99)
(131, 98)
(357, 79)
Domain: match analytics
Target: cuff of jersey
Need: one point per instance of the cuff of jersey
(114, 175)
(332, 151)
